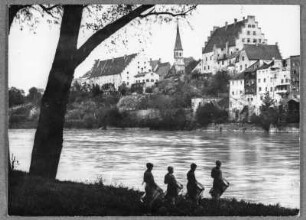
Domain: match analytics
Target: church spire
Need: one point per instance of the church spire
(178, 43)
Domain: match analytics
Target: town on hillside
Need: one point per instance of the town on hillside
(240, 78)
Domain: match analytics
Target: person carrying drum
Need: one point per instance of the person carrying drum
(148, 179)
(193, 189)
(219, 184)
(173, 187)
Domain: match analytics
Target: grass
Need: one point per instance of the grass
(35, 196)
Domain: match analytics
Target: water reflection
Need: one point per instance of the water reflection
(260, 167)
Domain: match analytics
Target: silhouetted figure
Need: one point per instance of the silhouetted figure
(152, 190)
(219, 184)
(173, 187)
(194, 188)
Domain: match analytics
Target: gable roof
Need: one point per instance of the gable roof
(253, 67)
(178, 43)
(262, 52)
(163, 69)
(154, 64)
(224, 34)
(191, 65)
(110, 67)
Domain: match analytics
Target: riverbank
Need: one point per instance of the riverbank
(35, 196)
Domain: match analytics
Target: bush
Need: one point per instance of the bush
(209, 113)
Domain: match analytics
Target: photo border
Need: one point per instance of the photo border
(4, 143)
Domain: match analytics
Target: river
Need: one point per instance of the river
(260, 167)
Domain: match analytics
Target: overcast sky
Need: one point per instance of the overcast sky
(31, 55)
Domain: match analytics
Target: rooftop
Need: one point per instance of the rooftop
(262, 52)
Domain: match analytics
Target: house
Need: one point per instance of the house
(147, 79)
(117, 71)
(160, 68)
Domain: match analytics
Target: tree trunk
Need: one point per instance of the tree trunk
(49, 134)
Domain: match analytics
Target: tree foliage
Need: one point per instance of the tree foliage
(16, 97)
(209, 113)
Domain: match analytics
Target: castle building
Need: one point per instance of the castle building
(226, 43)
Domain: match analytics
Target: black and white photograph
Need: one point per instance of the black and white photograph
(153, 109)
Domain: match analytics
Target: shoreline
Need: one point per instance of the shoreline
(66, 198)
(225, 128)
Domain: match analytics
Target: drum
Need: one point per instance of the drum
(200, 190)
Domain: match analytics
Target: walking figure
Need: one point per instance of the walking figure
(219, 184)
(194, 188)
(173, 187)
(152, 190)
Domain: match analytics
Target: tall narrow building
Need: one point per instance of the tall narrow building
(178, 53)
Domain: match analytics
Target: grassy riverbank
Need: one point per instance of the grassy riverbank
(36, 196)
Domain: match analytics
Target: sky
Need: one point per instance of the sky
(31, 52)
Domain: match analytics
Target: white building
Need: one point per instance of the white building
(117, 71)
(148, 79)
(248, 89)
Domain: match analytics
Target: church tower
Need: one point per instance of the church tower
(178, 53)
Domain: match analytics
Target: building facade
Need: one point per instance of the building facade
(226, 43)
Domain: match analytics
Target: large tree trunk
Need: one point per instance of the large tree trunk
(49, 134)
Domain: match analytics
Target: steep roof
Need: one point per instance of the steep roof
(191, 66)
(178, 43)
(262, 52)
(110, 67)
(222, 35)
(154, 64)
(163, 68)
(252, 68)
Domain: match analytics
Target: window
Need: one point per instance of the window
(240, 67)
(242, 39)
(251, 99)
(241, 82)
(232, 93)
(259, 80)
(127, 83)
(143, 80)
(249, 25)
(245, 66)
(254, 32)
(206, 58)
(248, 40)
(253, 25)
(127, 77)
(282, 81)
(259, 89)
(287, 80)
(127, 72)
(248, 32)
(259, 40)
(208, 67)
(240, 92)
(264, 80)
(242, 58)
(248, 99)
(222, 62)
(261, 98)
(254, 40)
(271, 89)
(152, 80)
(204, 67)
(266, 89)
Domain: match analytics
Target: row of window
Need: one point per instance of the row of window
(178, 54)
(282, 80)
(249, 32)
(251, 25)
(250, 99)
(240, 92)
(237, 82)
(147, 80)
(266, 89)
(248, 40)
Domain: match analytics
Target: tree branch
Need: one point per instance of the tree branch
(49, 9)
(167, 13)
(102, 34)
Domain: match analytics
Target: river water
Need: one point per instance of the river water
(260, 167)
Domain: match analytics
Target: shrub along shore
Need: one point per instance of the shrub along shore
(35, 196)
